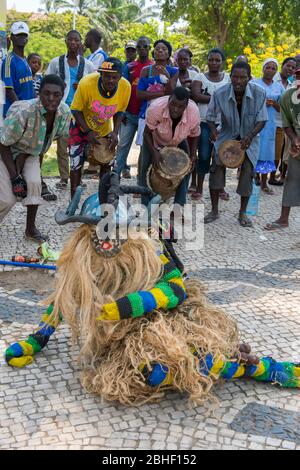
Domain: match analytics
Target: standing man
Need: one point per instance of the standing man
(98, 107)
(92, 41)
(16, 73)
(70, 67)
(242, 107)
(290, 113)
(29, 129)
(130, 52)
(170, 120)
(129, 126)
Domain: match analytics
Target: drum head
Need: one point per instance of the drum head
(230, 153)
(100, 153)
(174, 162)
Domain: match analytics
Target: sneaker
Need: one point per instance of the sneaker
(62, 184)
(126, 174)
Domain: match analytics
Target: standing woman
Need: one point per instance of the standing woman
(211, 80)
(274, 90)
(186, 76)
(158, 79)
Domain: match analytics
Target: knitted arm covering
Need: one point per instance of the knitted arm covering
(286, 374)
(166, 294)
(21, 354)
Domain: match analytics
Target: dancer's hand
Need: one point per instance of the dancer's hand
(245, 356)
(19, 354)
(93, 138)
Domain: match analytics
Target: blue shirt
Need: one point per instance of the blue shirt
(152, 83)
(16, 74)
(73, 80)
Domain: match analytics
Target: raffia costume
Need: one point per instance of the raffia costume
(141, 328)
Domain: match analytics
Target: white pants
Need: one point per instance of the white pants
(32, 175)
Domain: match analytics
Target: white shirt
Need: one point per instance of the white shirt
(210, 87)
(53, 68)
(193, 75)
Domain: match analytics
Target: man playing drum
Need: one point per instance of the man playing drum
(242, 107)
(98, 107)
(170, 120)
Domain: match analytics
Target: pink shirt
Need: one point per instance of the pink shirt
(158, 120)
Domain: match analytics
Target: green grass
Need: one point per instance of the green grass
(50, 167)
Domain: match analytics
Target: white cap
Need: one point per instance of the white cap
(19, 27)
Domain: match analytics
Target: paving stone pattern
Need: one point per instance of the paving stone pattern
(252, 274)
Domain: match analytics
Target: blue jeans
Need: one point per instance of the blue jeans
(146, 159)
(204, 150)
(127, 134)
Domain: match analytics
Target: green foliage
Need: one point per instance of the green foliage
(47, 33)
(232, 25)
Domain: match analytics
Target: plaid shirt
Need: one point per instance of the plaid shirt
(25, 127)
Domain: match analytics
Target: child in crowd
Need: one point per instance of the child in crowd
(35, 63)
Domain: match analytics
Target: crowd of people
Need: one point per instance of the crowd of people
(158, 96)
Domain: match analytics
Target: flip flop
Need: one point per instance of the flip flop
(244, 221)
(274, 226)
(275, 183)
(48, 196)
(196, 195)
(268, 191)
(37, 237)
(211, 217)
(224, 196)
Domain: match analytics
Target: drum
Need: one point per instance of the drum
(230, 153)
(174, 165)
(100, 153)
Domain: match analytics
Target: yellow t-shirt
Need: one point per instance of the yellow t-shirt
(98, 110)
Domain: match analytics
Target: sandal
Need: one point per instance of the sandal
(224, 196)
(36, 236)
(268, 191)
(196, 195)
(244, 221)
(275, 226)
(211, 217)
(275, 182)
(62, 184)
(192, 189)
(46, 194)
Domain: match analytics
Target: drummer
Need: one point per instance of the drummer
(170, 120)
(242, 106)
(98, 106)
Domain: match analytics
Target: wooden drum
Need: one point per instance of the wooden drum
(230, 153)
(174, 165)
(100, 153)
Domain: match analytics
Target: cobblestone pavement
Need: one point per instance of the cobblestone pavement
(252, 274)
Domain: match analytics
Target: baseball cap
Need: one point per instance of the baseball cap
(112, 64)
(19, 27)
(130, 44)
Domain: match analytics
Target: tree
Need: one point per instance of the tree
(152, 29)
(108, 15)
(234, 24)
(49, 6)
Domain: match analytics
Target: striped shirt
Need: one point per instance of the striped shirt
(97, 58)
